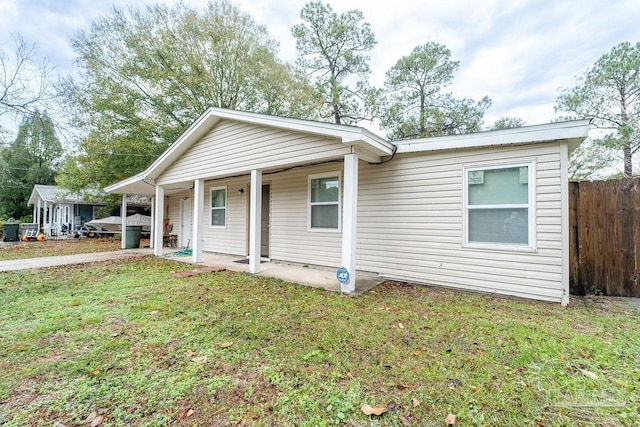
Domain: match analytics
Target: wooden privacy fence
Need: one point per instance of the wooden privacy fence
(604, 225)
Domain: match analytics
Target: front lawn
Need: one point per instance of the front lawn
(126, 343)
(34, 249)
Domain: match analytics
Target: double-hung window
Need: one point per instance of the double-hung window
(324, 202)
(218, 207)
(499, 205)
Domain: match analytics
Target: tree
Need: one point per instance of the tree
(332, 49)
(591, 160)
(146, 74)
(32, 158)
(609, 94)
(23, 79)
(507, 122)
(416, 107)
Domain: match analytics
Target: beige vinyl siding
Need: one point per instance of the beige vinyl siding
(231, 239)
(290, 239)
(410, 223)
(172, 205)
(232, 148)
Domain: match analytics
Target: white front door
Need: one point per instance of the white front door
(185, 223)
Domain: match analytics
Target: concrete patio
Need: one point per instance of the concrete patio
(314, 276)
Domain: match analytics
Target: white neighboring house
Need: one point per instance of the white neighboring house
(57, 211)
(484, 212)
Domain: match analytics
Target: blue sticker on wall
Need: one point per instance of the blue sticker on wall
(343, 275)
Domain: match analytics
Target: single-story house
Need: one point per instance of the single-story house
(56, 209)
(484, 212)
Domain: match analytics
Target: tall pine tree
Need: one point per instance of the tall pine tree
(32, 158)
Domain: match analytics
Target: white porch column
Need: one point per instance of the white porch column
(198, 203)
(38, 213)
(45, 218)
(350, 220)
(152, 231)
(255, 221)
(158, 225)
(123, 222)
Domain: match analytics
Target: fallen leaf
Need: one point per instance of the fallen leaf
(369, 410)
(190, 353)
(475, 389)
(226, 344)
(588, 374)
(450, 421)
(186, 412)
(94, 419)
(199, 359)
(405, 421)
(415, 402)
(400, 325)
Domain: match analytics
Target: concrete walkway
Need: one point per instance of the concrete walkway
(52, 261)
(317, 277)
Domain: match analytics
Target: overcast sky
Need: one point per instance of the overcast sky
(517, 52)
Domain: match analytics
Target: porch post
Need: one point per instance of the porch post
(350, 220)
(152, 231)
(45, 213)
(123, 222)
(255, 221)
(198, 203)
(159, 221)
(37, 216)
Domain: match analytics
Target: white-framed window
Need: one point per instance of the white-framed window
(324, 202)
(218, 207)
(499, 205)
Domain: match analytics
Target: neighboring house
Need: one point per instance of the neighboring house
(57, 211)
(484, 212)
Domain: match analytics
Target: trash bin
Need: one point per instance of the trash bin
(132, 239)
(10, 232)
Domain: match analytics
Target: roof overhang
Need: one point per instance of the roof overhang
(370, 146)
(571, 132)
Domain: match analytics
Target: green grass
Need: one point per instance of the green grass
(34, 249)
(140, 347)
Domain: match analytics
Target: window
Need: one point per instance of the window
(324, 202)
(219, 207)
(499, 205)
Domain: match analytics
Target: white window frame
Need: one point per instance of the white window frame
(310, 204)
(211, 208)
(530, 206)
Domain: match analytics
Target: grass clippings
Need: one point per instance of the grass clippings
(128, 344)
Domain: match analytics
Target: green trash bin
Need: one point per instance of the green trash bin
(10, 232)
(132, 239)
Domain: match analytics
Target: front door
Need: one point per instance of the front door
(185, 222)
(264, 236)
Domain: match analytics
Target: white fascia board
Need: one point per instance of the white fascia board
(133, 185)
(572, 131)
(351, 135)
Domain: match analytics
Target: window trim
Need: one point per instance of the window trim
(339, 202)
(532, 246)
(211, 208)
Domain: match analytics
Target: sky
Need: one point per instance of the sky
(519, 53)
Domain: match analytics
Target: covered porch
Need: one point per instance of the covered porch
(233, 155)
